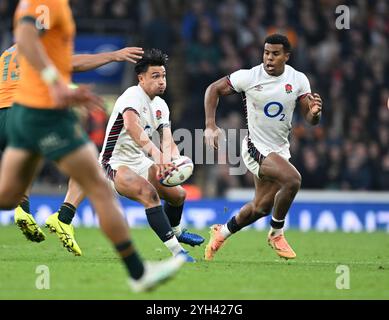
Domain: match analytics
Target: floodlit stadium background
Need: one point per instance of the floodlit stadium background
(348, 151)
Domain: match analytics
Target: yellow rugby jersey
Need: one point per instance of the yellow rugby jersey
(9, 76)
(58, 42)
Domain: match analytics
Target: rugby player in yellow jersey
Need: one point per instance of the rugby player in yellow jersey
(41, 125)
(8, 83)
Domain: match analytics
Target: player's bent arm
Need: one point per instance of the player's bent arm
(140, 137)
(29, 45)
(311, 106)
(86, 62)
(214, 91)
(168, 146)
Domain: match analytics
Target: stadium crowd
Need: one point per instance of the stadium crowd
(349, 150)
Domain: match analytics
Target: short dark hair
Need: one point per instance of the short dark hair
(279, 39)
(151, 57)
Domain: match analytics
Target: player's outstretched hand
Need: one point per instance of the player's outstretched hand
(315, 104)
(85, 97)
(64, 96)
(130, 54)
(212, 136)
(60, 93)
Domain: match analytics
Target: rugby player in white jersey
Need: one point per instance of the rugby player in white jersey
(137, 114)
(270, 93)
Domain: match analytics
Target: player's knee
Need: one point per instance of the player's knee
(293, 182)
(262, 208)
(182, 195)
(99, 188)
(148, 195)
(179, 197)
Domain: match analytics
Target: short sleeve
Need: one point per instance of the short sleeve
(45, 14)
(162, 114)
(129, 101)
(304, 86)
(239, 80)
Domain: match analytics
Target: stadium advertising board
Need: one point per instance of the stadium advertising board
(304, 215)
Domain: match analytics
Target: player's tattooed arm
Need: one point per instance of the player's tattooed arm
(311, 106)
(215, 90)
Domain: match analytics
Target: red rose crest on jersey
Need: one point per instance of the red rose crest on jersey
(158, 114)
(288, 88)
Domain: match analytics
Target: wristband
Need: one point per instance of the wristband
(49, 75)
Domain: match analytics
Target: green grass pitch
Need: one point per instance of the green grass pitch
(245, 268)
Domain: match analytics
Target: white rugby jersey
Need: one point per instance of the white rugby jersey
(118, 146)
(270, 102)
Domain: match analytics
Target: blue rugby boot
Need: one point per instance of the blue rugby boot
(190, 238)
(185, 254)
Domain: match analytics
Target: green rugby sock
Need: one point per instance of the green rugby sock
(25, 204)
(66, 213)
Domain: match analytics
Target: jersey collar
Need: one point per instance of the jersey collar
(144, 93)
(268, 76)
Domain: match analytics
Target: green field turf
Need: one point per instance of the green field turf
(246, 268)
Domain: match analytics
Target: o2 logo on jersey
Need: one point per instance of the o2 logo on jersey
(273, 110)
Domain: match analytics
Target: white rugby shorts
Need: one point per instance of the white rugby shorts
(251, 163)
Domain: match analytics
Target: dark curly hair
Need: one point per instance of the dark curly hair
(279, 39)
(151, 57)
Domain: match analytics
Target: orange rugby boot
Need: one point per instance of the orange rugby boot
(215, 242)
(281, 246)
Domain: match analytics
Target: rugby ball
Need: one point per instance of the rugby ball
(181, 174)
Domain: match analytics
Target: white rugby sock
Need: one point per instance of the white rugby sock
(276, 232)
(225, 232)
(177, 230)
(173, 245)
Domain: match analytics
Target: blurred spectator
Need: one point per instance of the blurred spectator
(7, 8)
(281, 25)
(312, 173)
(119, 9)
(80, 8)
(99, 8)
(356, 175)
(383, 177)
(191, 21)
(158, 30)
(95, 126)
(202, 58)
(334, 168)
